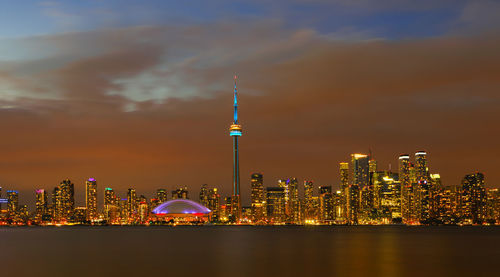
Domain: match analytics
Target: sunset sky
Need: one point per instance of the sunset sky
(139, 93)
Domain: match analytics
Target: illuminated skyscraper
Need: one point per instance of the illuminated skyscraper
(344, 185)
(294, 204)
(63, 199)
(447, 200)
(309, 210)
(91, 199)
(359, 170)
(257, 197)
(473, 198)
(13, 204)
(388, 191)
(423, 189)
(359, 180)
(143, 209)
(213, 203)
(210, 199)
(493, 205)
(161, 195)
(226, 209)
(132, 205)
(56, 204)
(235, 131)
(352, 206)
(68, 198)
(204, 195)
(275, 204)
(422, 170)
(289, 186)
(111, 207)
(407, 197)
(40, 204)
(326, 210)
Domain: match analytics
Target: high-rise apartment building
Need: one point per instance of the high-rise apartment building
(275, 204)
(132, 203)
(258, 201)
(309, 206)
(91, 199)
(344, 186)
(473, 198)
(40, 204)
(13, 201)
(161, 195)
(63, 199)
(326, 205)
(213, 203)
(407, 195)
(111, 206)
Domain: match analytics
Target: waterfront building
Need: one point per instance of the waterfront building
(143, 209)
(493, 205)
(344, 185)
(80, 215)
(407, 193)
(63, 201)
(309, 210)
(388, 191)
(226, 210)
(352, 206)
(473, 198)
(91, 199)
(124, 210)
(132, 205)
(210, 199)
(447, 201)
(326, 205)
(40, 205)
(275, 205)
(258, 202)
(13, 201)
(290, 189)
(213, 203)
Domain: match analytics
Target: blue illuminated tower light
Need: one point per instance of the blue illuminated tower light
(235, 132)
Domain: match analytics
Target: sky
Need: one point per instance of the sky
(139, 93)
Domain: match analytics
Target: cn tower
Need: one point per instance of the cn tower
(235, 132)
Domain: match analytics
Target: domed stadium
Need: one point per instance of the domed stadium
(181, 210)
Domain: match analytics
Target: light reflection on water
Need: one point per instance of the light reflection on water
(249, 251)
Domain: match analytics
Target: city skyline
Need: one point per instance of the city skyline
(142, 101)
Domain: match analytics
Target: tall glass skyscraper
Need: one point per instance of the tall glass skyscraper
(257, 196)
(91, 198)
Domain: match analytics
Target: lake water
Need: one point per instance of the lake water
(250, 251)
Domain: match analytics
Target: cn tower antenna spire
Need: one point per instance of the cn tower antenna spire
(235, 101)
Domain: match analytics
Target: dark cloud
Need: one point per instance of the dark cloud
(307, 102)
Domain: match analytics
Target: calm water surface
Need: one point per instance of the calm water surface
(250, 251)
